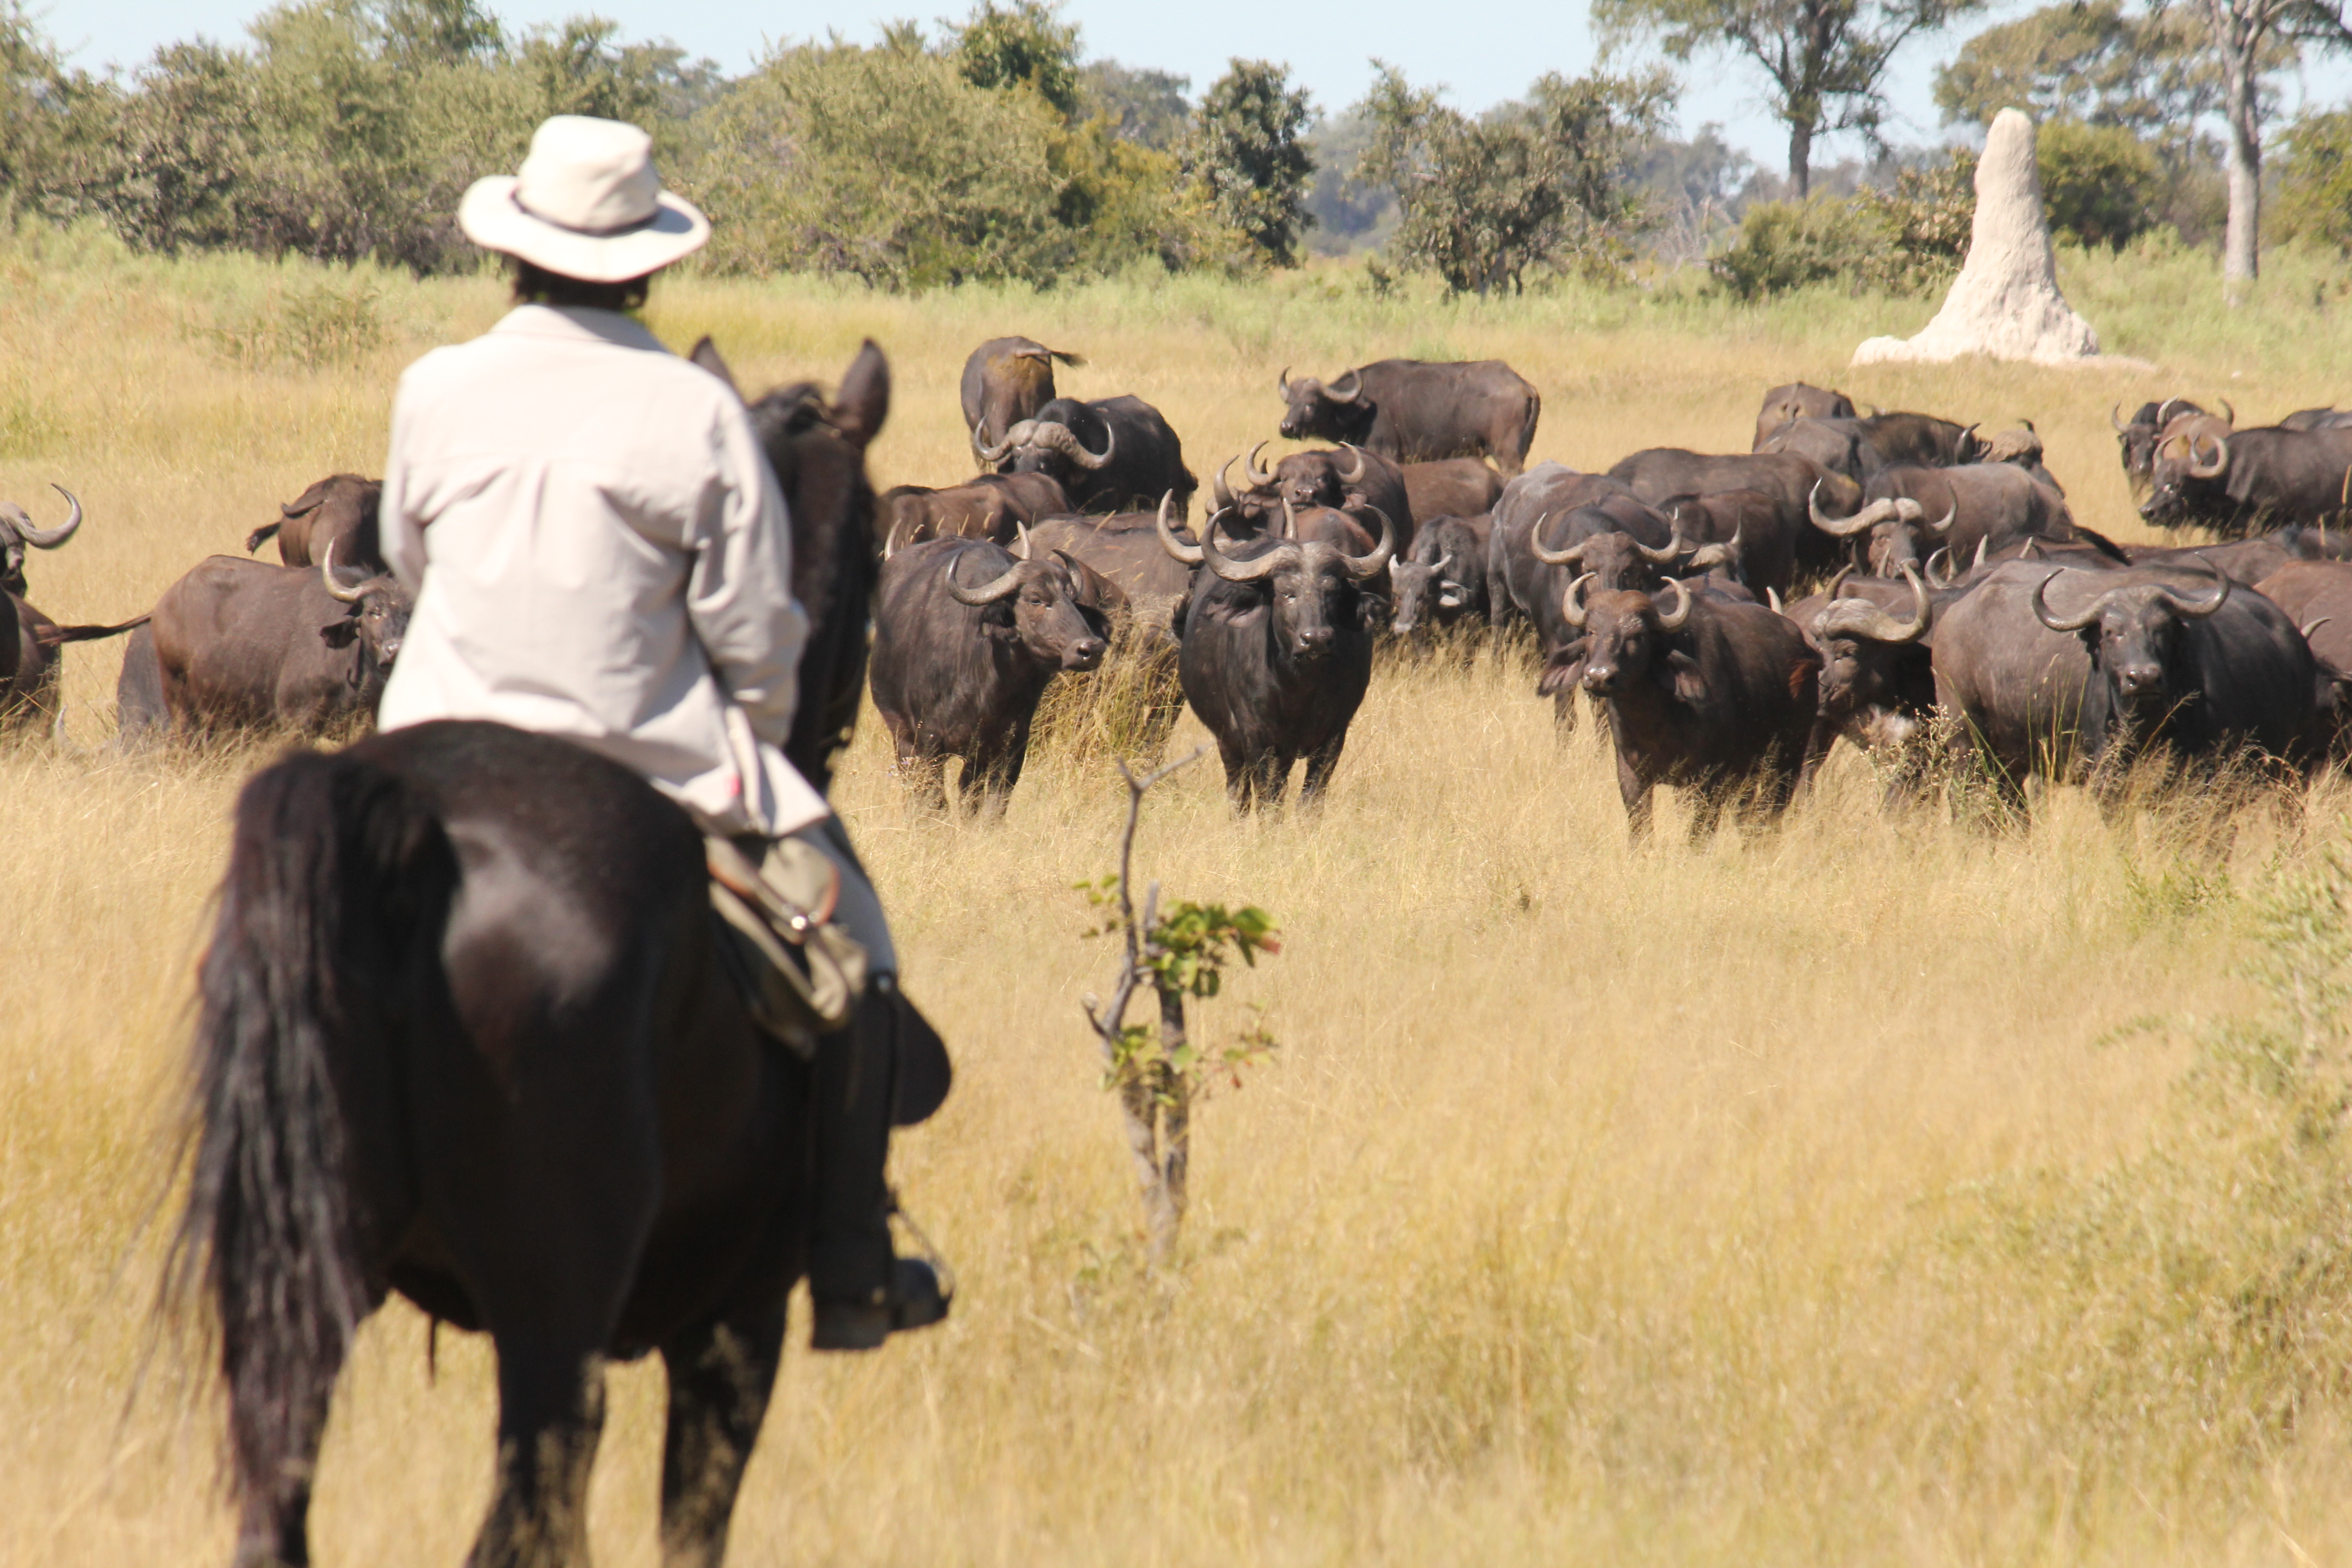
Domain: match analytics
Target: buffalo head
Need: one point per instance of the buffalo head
(16, 531)
(376, 617)
(2190, 479)
(1614, 559)
(1326, 411)
(1426, 580)
(1308, 586)
(1626, 632)
(2133, 634)
(1036, 606)
(1886, 533)
(1066, 439)
(1862, 647)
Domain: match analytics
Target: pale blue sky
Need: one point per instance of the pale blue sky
(1484, 50)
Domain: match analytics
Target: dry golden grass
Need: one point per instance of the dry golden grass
(1767, 1202)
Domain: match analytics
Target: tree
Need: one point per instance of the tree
(2245, 32)
(1826, 59)
(1146, 107)
(1531, 185)
(2088, 60)
(1025, 42)
(1245, 147)
(2315, 179)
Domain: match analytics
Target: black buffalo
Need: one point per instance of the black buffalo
(31, 673)
(1517, 585)
(1786, 404)
(1112, 453)
(1700, 693)
(1788, 480)
(987, 506)
(966, 636)
(1442, 584)
(1765, 558)
(1414, 411)
(1907, 511)
(1005, 380)
(1349, 479)
(18, 534)
(337, 514)
(239, 645)
(2056, 672)
(2238, 482)
(1878, 678)
(1277, 653)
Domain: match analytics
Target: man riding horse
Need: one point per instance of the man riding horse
(599, 552)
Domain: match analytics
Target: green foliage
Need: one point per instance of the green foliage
(2314, 201)
(1825, 60)
(1147, 107)
(1537, 184)
(1024, 43)
(2087, 60)
(1184, 953)
(2100, 183)
(1245, 148)
(1908, 240)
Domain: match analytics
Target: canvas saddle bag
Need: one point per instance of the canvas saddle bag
(801, 974)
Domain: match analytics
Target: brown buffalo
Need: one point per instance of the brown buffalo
(1005, 380)
(337, 514)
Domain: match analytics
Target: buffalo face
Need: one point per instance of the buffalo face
(2134, 634)
(1623, 629)
(1309, 587)
(17, 532)
(1316, 410)
(376, 617)
(1034, 605)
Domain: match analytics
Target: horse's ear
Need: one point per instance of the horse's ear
(864, 400)
(706, 354)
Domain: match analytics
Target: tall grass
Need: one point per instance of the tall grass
(1874, 1190)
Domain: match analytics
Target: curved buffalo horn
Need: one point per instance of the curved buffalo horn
(2115, 418)
(1355, 381)
(1444, 565)
(1940, 577)
(2164, 411)
(1021, 551)
(1683, 603)
(1251, 471)
(2213, 470)
(1290, 520)
(1863, 619)
(1221, 495)
(1012, 438)
(1944, 525)
(1707, 556)
(1233, 570)
(2228, 413)
(1673, 551)
(2312, 626)
(1002, 587)
(1863, 521)
(2070, 623)
(1978, 565)
(1062, 439)
(335, 583)
(1350, 475)
(1567, 557)
(2198, 609)
(1362, 566)
(1572, 602)
(1189, 554)
(50, 537)
(1837, 581)
(1772, 600)
(2031, 549)
(1282, 384)
(1967, 436)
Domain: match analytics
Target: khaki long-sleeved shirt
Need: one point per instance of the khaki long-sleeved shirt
(599, 552)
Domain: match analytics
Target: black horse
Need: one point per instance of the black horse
(464, 1035)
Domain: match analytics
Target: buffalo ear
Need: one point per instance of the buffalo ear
(340, 634)
(1565, 673)
(706, 355)
(1688, 686)
(1373, 610)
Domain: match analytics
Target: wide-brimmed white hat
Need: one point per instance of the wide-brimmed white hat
(587, 204)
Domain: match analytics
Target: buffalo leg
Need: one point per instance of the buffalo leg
(925, 773)
(1635, 789)
(1563, 711)
(720, 1375)
(550, 1415)
(1706, 800)
(1320, 762)
(1274, 777)
(1241, 774)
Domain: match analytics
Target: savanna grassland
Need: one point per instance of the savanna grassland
(1871, 1191)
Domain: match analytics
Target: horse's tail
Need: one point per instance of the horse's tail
(295, 986)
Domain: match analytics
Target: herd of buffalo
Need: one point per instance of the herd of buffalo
(1730, 615)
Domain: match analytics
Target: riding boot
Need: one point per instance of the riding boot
(863, 1291)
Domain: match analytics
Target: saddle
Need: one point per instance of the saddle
(800, 975)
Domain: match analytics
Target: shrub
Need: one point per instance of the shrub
(1908, 240)
(2100, 183)
(2314, 200)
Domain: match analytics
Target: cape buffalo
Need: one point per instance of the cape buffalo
(1908, 510)
(1451, 486)
(2136, 439)
(1123, 547)
(2245, 480)
(966, 635)
(31, 673)
(1785, 404)
(338, 513)
(17, 532)
(2051, 671)
(2317, 419)
(1788, 479)
(1700, 693)
(1277, 653)
(1878, 678)
(1350, 480)
(1766, 559)
(1443, 582)
(1519, 586)
(1413, 411)
(240, 644)
(1005, 380)
(1112, 453)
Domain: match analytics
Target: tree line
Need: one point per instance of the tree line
(990, 149)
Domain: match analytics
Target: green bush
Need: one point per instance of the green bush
(2315, 192)
(2100, 183)
(1908, 240)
